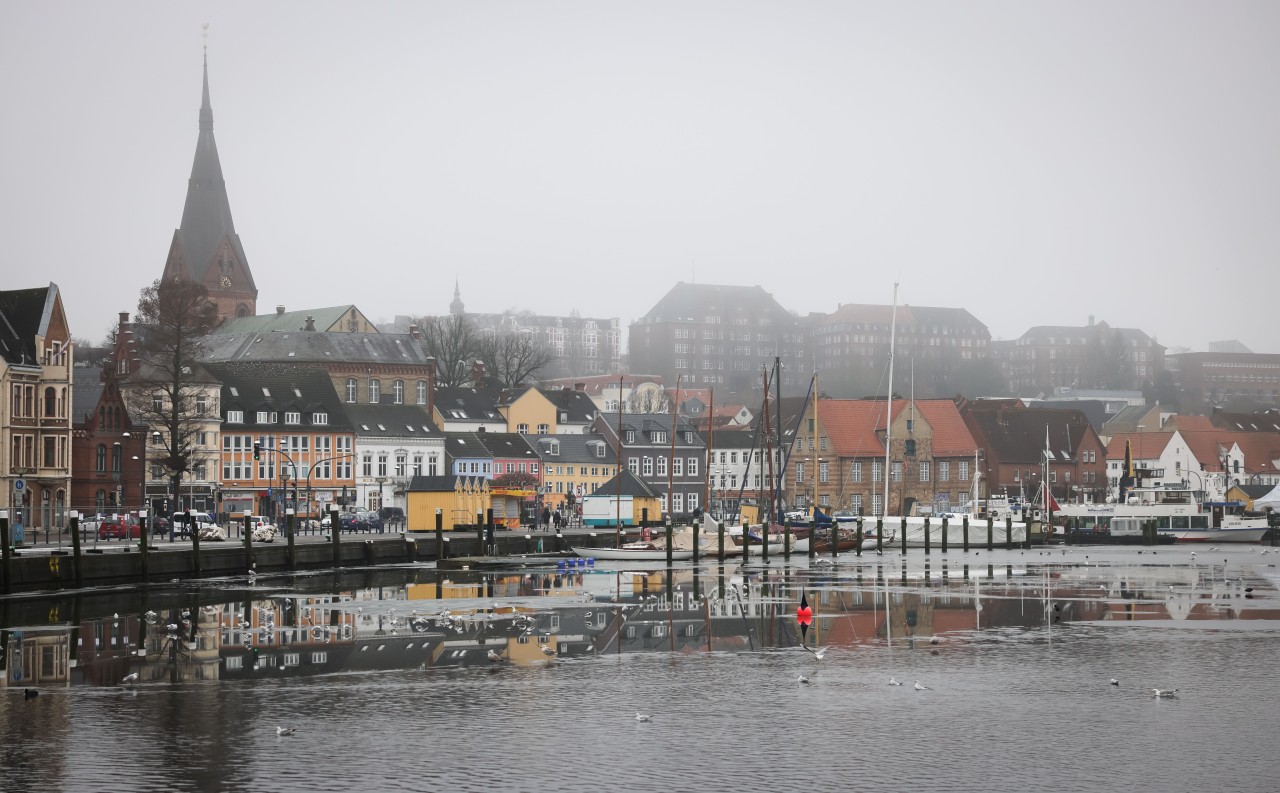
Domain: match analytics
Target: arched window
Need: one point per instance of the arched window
(102, 416)
(102, 458)
(115, 458)
(101, 500)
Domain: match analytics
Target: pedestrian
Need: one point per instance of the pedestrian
(546, 518)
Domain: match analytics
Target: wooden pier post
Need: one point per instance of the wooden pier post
(291, 526)
(75, 547)
(927, 540)
(1008, 532)
(335, 534)
(248, 540)
(991, 532)
(966, 533)
(904, 535)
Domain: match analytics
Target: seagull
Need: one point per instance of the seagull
(494, 655)
(546, 650)
(284, 731)
(893, 681)
(820, 652)
(1165, 693)
(1115, 682)
(802, 680)
(642, 716)
(129, 679)
(919, 687)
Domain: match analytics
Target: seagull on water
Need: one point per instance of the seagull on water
(1115, 682)
(802, 680)
(1165, 693)
(284, 731)
(129, 679)
(919, 687)
(494, 655)
(893, 681)
(642, 716)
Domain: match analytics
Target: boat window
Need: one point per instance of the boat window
(1181, 522)
(1199, 521)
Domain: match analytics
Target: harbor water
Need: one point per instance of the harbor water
(412, 679)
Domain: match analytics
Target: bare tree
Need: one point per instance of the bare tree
(95, 356)
(512, 356)
(167, 390)
(648, 401)
(452, 341)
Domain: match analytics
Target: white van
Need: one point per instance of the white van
(202, 520)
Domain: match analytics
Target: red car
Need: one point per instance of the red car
(119, 527)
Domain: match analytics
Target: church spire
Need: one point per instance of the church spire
(456, 306)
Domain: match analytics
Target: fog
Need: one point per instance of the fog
(1035, 163)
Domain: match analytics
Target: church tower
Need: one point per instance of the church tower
(456, 307)
(206, 248)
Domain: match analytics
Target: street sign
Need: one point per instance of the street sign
(19, 484)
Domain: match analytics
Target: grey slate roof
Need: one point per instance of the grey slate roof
(288, 388)
(476, 404)
(314, 347)
(579, 406)
(437, 484)
(23, 314)
(694, 301)
(85, 393)
(285, 322)
(630, 484)
(464, 444)
(1094, 409)
(507, 445)
(576, 449)
(390, 420)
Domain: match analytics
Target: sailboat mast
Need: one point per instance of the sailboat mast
(711, 445)
(671, 460)
(617, 524)
(776, 504)
(817, 448)
(770, 515)
(888, 405)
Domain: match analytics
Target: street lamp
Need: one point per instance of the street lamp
(153, 436)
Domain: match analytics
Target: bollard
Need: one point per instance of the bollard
(786, 542)
(904, 537)
(480, 533)
(559, 540)
(290, 526)
(746, 542)
(697, 539)
(142, 544)
(966, 533)
(669, 542)
(1008, 532)
(75, 545)
(720, 537)
(857, 539)
(195, 543)
(335, 534)
(528, 544)
(879, 533)
(945, 521)
(990, 532)
(927, 539)
(835, 538)
(248, 541)
(439, 534)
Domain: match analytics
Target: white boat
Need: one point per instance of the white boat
(1174, 509)
(634, 552)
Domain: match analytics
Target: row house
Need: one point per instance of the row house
(738, 472)
(609, 392)
(838, 460)
(307, 451)
(394, 442)
(546, 411)
(35, 415)
(1209, 461)
(574, 466)
(671, 463)
(107, 447)
(1016, 442)
(469, 409)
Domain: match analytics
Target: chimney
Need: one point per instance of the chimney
(477, 373)
(414, 333)
(311, 323)
(279, 310)
(124, 319)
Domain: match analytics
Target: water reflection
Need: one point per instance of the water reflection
(421, 618)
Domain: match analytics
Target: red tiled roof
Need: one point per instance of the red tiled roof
(1190, 424)
(851, 424)
(1146, 445)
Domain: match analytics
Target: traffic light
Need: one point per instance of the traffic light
(257, 450)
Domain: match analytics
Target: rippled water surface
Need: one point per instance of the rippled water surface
(1016, 660)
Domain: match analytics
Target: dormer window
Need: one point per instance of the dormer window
(553, 447)
(292, 417)
(599, 449)
(630, 436)
(320, 418)
(659, 436)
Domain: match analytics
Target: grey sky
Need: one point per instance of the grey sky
(1033, 162)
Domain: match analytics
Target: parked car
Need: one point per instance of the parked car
(391, 515)
(89, 526)
(369, 521)
(119, 527)
(202, 520)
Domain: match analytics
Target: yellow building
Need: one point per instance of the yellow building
(460, 499)
(577, 464)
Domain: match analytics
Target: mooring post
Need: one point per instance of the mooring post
(75, 545)
(248, 541)
(786, 541)
(746, 541)
(879, 533)
(195, 542)
(835, 538)
(480, 533)
(335, 534)
(439, 534)
(945, 521)
(857, 538)
(720, 538)
(670, 529)
(490, 531)
(290, 527)
(904, 536)
(142, 544)
(966, 533)
(697, 539)
(1008, 532)
(927, 540)
(991, 532)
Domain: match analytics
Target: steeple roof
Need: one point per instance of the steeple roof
(206, 216)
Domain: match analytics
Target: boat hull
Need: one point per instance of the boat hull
(1217, 535)
(633, 554)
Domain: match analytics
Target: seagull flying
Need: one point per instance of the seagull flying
(919, 687)
(284, 731)
(820, 652)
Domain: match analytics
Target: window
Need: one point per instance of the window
(824, 471)
(202, 405)
(292, 417)
(382, 464)
(102, 458)
(944, 471)
(677, 502)
(431, 465)
(658, 436)
(877, 471)
(924, 471)
(896, 470)
(351, 389)
(366, 464)
(375, 391)
(662, 466)
(648, 466)
(422, 392)
(320, 418)
(235, 416)
(544, 429)
(693, 466)
(877, 504)
(157, 402)
(855, 503)
(855, 472)
(964, 470)
(523, 429)
(677, 466)
(263, 417)
(633, 465)
(800, 473)
(402, 461)
(630, 436)
(397, 391)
